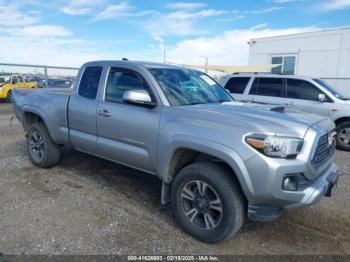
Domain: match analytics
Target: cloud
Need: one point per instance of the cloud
(179, 23)
(232, 19)
(286, 1)
(228, 48)
(113, 11)
(75, 11)
(333, 5)
(182, 5)
(11, 16)
(80, 7)
(120, 10)
(21, 30)
(265, 10)
(40, 31)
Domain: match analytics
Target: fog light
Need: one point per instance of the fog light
(290, 183)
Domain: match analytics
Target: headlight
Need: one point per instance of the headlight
(276, 146)
(1, 89)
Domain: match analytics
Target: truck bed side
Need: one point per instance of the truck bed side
(48, 104)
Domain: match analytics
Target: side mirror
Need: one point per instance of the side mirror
(322, 97)
(139, 97)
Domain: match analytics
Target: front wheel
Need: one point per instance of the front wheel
(207, 202)
(9, 97)
(43, 152)
(343, 136)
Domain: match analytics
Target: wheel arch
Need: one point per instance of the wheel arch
(190, 151)
(341, 120)
(30, 117)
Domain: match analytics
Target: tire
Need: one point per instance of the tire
(343, 136)
(9, 97)
(222, 186)
(43, 152)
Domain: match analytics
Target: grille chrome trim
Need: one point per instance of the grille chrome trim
(324, 150)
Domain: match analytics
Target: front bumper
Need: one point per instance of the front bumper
(270, 199)
(3, 95)
(323, 186)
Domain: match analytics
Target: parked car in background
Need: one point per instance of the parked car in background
(218, 160)
(59, 83)
(310, 95)
(51, 82)
(39, 79)
(10, 81)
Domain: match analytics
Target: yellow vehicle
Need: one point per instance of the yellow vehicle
(9, 82)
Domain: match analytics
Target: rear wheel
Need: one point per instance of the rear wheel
(43, 152)
(343, 136)
(207, 202)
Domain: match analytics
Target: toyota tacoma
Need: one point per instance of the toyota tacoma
(219, 161)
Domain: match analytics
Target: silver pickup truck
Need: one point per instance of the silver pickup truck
(219, 160)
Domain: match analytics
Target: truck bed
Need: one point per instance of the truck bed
(50, 104)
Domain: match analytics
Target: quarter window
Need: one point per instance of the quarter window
(89, 82)
(237, 85)
(268, 87)
(121, 80)
(300, 89)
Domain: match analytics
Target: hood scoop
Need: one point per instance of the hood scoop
(280, 109)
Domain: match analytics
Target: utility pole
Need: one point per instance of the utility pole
(206, 64)
(164, 55)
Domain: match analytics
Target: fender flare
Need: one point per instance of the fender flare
(217, 150)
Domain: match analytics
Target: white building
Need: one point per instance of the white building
(324, 54)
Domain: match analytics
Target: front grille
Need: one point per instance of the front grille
(323, 152)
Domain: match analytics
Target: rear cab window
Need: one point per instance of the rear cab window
(265, 86)
(89, 82)
(237, 85)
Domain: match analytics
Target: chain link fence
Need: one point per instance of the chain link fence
(33, 76)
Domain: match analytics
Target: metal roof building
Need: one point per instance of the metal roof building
(324, 54)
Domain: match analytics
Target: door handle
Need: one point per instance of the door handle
(104, 113)
(290, 103)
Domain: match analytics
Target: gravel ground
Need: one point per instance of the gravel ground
(90, 206)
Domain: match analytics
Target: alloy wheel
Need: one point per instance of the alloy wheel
(36, 145)
(201, 204)
(344, 136)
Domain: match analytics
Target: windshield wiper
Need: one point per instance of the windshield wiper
(222, 101)
(196, 103)
(214, 102)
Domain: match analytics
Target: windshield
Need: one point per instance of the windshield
(330, 89)
(4, 79)
(189, 87)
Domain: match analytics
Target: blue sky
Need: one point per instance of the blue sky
(69, 33)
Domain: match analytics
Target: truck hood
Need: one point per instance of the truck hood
(257, 118)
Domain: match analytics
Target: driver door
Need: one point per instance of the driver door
(127, 133)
